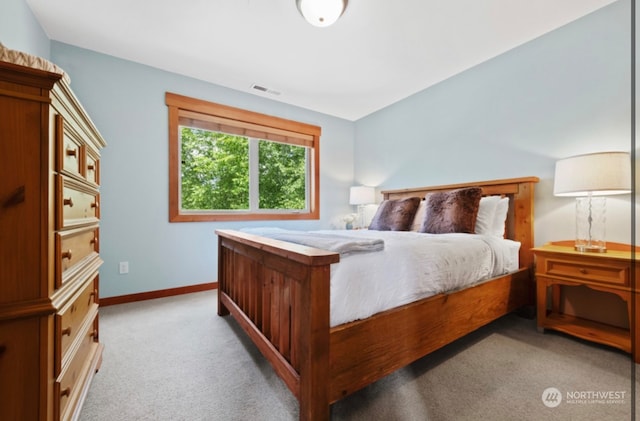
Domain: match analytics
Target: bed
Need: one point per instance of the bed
(279, 293)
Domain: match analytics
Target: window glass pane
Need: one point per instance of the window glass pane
(214, 170)
(282, 176)
(230, 164)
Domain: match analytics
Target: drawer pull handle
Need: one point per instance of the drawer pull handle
(68, 202)
(66, 331)
(65, 392)
(16, 197)
(91, 167)
(66, 254)
(95, 204)
(93, 334)
(71, 152)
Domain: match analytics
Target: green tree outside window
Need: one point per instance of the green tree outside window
(215, 172)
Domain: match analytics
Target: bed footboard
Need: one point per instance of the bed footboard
(279, 294)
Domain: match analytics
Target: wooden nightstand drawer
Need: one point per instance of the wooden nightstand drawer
(608, 273)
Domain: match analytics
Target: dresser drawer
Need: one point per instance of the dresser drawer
(92, 167)
(612, 273)
(70, 319)
(70, 149)
(77, 204)
(72, 249)
(69, 385)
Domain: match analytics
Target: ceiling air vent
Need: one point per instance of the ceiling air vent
(263, 89)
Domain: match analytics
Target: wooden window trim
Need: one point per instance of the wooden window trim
(274, 128)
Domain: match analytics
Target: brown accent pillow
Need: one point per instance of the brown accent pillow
(395, 215)
(452, 211)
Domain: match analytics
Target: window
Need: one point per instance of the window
(231, 164)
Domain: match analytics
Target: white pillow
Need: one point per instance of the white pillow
(500, 218)
(486, 214)
(419, 218)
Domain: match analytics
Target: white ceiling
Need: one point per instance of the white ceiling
(379, 51)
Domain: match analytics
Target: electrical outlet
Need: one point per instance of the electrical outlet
(123, 268)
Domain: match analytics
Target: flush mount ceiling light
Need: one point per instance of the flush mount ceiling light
(321, 13)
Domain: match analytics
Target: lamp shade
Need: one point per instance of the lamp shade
(321, 13)
(598, 174)
(362, 195)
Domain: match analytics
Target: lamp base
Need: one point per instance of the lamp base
(590, 224)
(584, 248)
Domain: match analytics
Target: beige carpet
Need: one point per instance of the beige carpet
(175, 359)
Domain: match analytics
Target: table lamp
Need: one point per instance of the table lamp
(361, 196)
(589, 178)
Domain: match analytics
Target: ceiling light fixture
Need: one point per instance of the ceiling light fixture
(321, 13)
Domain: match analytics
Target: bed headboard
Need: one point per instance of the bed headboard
(519, 225)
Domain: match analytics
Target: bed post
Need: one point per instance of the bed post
(222, 310)
(313, 345)
(522, 226)
(523, 221)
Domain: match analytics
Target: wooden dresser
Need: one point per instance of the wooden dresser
(49, 246)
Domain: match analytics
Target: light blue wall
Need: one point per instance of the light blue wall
(19, 29)
(563, 94)
(126, 102)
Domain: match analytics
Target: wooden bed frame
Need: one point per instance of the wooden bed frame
(279, 294)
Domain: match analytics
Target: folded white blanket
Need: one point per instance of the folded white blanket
(339, 243)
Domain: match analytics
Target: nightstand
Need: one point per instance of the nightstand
(558, 265)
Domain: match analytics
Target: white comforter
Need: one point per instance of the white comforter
(413, 266)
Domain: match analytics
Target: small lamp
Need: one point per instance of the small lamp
(361, 196)
(321, 13)
(589, 178)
